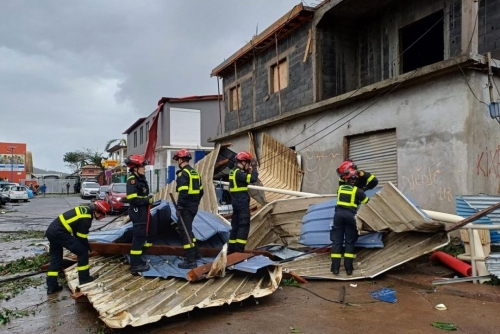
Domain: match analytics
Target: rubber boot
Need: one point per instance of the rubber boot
(197, 252)
(349, 267)
(142, 266)
(189, 261)
(86, 278)
(53, 289)
(335, 268)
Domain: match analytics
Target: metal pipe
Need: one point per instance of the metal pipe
(280, 191)
(472, 253)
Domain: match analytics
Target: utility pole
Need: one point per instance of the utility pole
(11, 149)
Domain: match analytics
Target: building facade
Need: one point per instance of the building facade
(401, 87)
(186, 122)
(13, 161)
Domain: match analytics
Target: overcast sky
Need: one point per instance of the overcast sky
(75, 74)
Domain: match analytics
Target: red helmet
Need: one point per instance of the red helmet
(136, 160)
(183, 154)
(351, 174)
(243, 156)
(345, 167)
(102, 207)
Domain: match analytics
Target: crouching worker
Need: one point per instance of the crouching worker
(344, 223)
(70, 231)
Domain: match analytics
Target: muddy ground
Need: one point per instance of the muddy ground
(308, 309)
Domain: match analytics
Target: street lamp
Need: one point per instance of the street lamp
(11, 149)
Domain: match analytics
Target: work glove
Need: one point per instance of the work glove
(253, 163)
(150, 198)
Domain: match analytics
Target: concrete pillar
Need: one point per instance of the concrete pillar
(470, 28)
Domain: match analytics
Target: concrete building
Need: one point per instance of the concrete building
(185, 122)
(13, 161)
(401, 87)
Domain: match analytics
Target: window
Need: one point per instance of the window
(429, 49)
(235, 98)
(141, 135)
(147, 130)
(279, 71)
(135, 138)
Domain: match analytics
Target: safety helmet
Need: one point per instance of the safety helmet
(345, 167)
(243, 156)
(101, 207)
(136, 160)
(183, 154)
(351, 174)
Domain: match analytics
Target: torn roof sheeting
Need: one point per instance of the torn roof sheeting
(280, 222)
(122, 299)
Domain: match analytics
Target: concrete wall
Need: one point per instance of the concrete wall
(257, 103)
(140, 148)
(441, 131)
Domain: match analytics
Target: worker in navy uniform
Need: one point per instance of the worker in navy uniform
(240, 176)
(349, 197)
(70, 230)
(366, 181)
(139, 201)
(190, 190)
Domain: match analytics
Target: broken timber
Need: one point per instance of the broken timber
(199, 272)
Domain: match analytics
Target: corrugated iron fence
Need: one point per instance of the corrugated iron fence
(54, 186)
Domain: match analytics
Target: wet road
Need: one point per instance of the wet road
(289, 310)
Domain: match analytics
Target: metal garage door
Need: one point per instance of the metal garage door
(376, 153)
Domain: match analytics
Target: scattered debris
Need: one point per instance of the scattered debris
(447, 326)
(440, 307)
(6, 315)
(385, 295)
(353, 285)
(9, 290)
(294, 330)
(24, 264)
(290, 282)
(21, 235)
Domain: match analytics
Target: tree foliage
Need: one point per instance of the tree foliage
(77, 159)
(110, 143)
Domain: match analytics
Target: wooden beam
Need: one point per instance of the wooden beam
(308, 46)
(198, 273)
(470, 26)
(123, 248)
(299, 279)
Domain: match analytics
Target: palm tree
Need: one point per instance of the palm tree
(112, 142)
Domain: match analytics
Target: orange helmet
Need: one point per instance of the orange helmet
(102, 207)
(183, 154)
(243, 156)
(136, 160)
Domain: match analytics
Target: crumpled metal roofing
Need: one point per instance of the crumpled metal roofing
(468, 205)
(122, 299)
(493, 264)
(318, 221)
(280, 222)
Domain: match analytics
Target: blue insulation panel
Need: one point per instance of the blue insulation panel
(464, 209)
(253, 264)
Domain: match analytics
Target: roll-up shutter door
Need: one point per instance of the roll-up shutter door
(376, 153)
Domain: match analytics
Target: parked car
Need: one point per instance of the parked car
(101, 194)
(5, 184)
(3, 198)
(16, 193)
(89, 189)
(116, 197)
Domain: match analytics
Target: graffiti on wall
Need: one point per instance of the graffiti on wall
(428, 181)
(320, 172)
(488, 163)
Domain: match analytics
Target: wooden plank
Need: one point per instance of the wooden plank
(123, 248)
(308, 46)
(199, 272)
(299, 279)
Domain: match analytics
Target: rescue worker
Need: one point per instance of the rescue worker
(139, 201)
(349, 197)
(366, 181)
(240, 176)
(190, 191)
(70, 230)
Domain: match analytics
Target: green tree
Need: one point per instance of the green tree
(113, 142)
(94, 158)
(75, 160)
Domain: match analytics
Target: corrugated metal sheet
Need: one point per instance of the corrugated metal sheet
(280, 222)
(390, 210)
(467, 205)
(278, 168)
(122, 299)
(253, 264)
(493, 264)
(377, 154)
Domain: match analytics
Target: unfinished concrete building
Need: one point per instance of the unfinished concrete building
(402, 87)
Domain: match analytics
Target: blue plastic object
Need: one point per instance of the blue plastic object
(385, 295)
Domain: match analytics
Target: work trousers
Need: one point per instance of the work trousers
(188, 214)
(344, 229)
(59, 240)
(240, 227)
(138, 241)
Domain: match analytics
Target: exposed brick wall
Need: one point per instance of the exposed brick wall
(298, 93)
(456, 29)
(489, 27)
